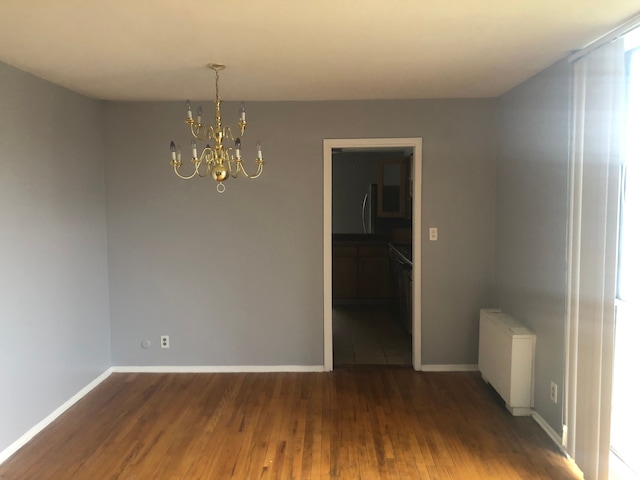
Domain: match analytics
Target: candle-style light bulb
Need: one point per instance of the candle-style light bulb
(189, 114)
(194, 149)
(259, 147)
(238, 146)
(179, 152)
(172, 147)
(199, 114)
(243, 113)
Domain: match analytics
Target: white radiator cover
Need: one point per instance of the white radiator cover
(506, 357)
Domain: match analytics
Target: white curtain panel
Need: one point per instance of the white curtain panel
(593, 229)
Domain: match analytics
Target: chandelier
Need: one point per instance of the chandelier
(219, 162)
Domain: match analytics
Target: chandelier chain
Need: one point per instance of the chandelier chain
(217, 78)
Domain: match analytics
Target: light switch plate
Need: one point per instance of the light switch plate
(433, 234)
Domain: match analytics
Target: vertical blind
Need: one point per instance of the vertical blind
(629, 266)
(625, 422)
(593, 227)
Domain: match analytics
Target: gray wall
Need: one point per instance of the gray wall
(54, 314)
(236, 279)
(532, 220)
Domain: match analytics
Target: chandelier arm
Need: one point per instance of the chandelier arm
(202, 175)
(208, 172)
(230, 162)
(239, 129)
(207, 134)
(260, 164)
(240, 168)
(224, 156)
(195, 131)
(210, 132)
(176, 167)
(207, 157)
(231, 135)
(242, 124)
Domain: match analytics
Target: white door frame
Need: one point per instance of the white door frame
(374, 143)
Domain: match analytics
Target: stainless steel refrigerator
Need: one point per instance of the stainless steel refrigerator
(370, 209)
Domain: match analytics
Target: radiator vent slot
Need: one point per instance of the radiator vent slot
(506, 356)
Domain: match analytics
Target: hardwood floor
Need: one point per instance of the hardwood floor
(360, 423)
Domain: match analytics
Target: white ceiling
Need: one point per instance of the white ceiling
(298, 49)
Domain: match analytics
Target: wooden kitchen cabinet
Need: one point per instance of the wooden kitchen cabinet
(345, 272)
(373, 272)
(394, 188)
(361, 272)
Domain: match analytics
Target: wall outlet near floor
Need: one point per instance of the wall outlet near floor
(554, 392)
(164, 341)
(433, 234)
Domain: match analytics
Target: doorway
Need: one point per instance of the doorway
(330, 147)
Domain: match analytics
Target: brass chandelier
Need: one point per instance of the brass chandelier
(221, 162)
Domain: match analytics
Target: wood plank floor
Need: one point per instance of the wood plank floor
(368, 423)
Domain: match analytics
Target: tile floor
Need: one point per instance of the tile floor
(369, 335)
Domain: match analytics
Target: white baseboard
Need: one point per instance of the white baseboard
(449, 368)
(548, 429)
(219, 369)
(557, 439)
(33, 431)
